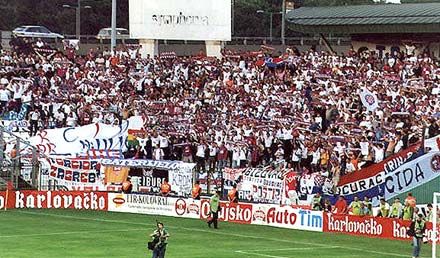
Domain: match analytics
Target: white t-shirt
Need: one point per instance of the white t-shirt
(296, 155)
(378, 154)
(364, 148)
(70, 121)
(35, 115)
(163, 141)
(268, 140)
(4, 95)
(201, 151)
(212, 151)
(158, 154)
(155, 141)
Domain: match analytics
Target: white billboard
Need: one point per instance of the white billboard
(180, 19)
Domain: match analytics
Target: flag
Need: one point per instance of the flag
(433, 144)
(116, 174)
(369, 100)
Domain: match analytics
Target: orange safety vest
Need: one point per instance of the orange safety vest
(195, 191)
(231, 195)
(165, 188)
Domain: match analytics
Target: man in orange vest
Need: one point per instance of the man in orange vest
(233, 195)
(196, 191)
(165, 188)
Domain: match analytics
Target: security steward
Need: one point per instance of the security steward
(214, 204)
(165, 188)
(196, 191)
(317, 202)
(417, 231)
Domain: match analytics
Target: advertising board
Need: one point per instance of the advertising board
(180, 20)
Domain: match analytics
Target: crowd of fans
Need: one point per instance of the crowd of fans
(245, 109)
(398, 210)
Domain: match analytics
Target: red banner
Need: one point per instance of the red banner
(60, 200)
(232, 212)
(389, 164)
(370, 226)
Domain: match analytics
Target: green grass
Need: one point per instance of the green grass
(73, 233)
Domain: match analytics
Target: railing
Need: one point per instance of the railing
(11, 168)
(299, 41)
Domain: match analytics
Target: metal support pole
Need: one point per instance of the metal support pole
(2, 146)
(232, 15)
(113, 38)
(271, 24)
(16, 162)
(78, 20)
(35, 167)
(283, 23)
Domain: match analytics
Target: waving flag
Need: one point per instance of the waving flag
(369, 100)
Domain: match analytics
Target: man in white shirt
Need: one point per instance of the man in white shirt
(164, 144)
(4, 98)
(200, 157)
(212, 156)
(34, 116)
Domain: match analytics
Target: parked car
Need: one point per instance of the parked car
(106, 33)
(35, 32)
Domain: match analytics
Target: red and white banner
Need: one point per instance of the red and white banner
(370, 226)
(244, 213)
(77, 173)
(232, 212)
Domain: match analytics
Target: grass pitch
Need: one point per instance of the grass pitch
(73, 233)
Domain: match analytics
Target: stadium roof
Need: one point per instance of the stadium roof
(358, 19)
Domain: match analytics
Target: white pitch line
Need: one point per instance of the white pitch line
(218, 233)
(289, 249)
(256, 252)
(262, 255)
(70, 233)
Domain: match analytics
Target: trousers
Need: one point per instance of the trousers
(417, 242)
(159, 252)
(214, 219)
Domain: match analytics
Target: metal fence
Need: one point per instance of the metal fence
(300, 40)
(19, 162)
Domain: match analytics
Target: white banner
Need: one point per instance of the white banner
(433, 144)
(94, 140)
(180, 20)
(256, 184)
(147, 163)
(243, 213)
(154, 205)
(181, 181)
(412, 174)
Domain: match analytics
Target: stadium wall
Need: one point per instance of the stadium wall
(244, 213)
